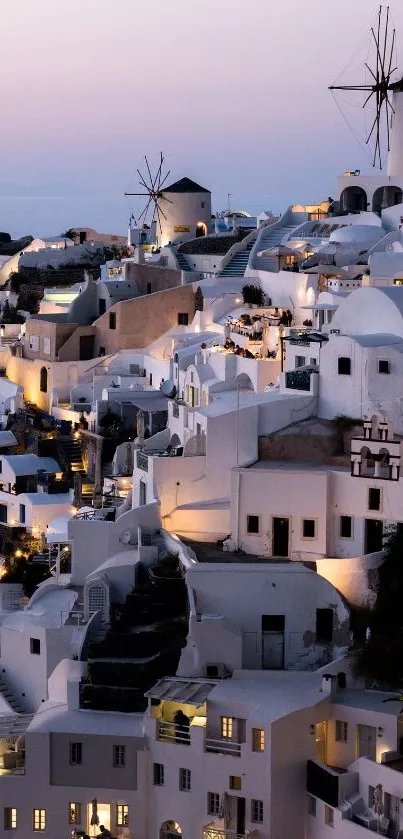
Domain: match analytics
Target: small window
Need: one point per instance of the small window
(252, 524)
(76, 754)
(1, 466)
(258, 739)
(122, 815)
(185, 780)
(148, 288)
(235, 782)
(341, 731)
(158, 771)
(256, 811)
(202, 204)
(102, 351)
(324, 626)
(39, 820)
(119, 756)
(35, 646)
(183, 319)
(112, 320)
(346, 527)
(10, 818)
(34, 343)
(308, 528)
(213, 803)
(383, 366)
(22, 513)
(46, 346)
(344, 366)
(227, 726)
(374, 499)
(43, 380)
(329, 816)
(313, 362)
(74, 813)
(311, 806)
(300, 361)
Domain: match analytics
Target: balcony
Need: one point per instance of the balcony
(222, 747)
(168, 732)
(211, 831)
(142, 461)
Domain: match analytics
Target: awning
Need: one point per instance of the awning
(190, 692)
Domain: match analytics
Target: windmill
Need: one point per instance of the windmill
(380, 68)
(152, 186)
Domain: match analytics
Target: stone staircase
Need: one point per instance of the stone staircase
(9, 695)
(238, 264)
(269, 238)
(73, 460)
(182, 261)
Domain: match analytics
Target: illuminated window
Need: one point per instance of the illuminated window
(74, 813)
(39, 820)
(122, 815)
(235, 782)
(258, 739)
(227, 727)
(10, 818)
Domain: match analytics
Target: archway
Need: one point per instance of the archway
(43, 380)
(175, 441)
(201, 229)
(353, 199)
(367, 463)
(170, 830)
(244, 382)
(386, 196)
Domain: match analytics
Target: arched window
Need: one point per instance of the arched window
(96, 599)
(43, 380)
(367, 463)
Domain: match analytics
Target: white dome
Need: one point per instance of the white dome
(354, 233)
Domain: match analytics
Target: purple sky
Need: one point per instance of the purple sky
(234, 92)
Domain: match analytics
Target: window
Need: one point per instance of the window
(383, 366)
(1, 466)
(299, 360)
(122, 815)
(235, 782)
(341, 731)
(148, 288)
(374, 499)
(308, 528)
(256, 811)
(202, 204)
(43, 380)
(102, 350)
(185, 780)
(227, 724)
(213, 803)
(74, 813)
(311, 806)
(46, 346)
(119, 756)
(22, 513)
(183, 319)
(346, 527)
(329, 816)
(39, 820)
(324, 625)
(313, 362)
(258, 739)
(76, 754)
(158, 775)
(35, 646)
(10, 818)
(112, 320)
(344, 366)
(252, 524)
(34, 343)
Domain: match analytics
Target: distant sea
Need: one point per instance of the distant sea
(51, 215)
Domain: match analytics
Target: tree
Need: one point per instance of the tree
(70, 234)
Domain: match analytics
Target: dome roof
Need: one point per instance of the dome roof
(353, 233)
(370, 311)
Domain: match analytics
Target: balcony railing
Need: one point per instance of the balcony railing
(142, 461)
(213, 832)
(168, 732)
(223, 747)
(298, 380)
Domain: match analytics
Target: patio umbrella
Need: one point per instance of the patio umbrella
(94, 815)
(224, 811)
(378, 800)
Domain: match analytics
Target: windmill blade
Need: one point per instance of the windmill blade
(376, 120)
(149, 172)
(142, 181)
(143, 194)
(390, 72)
(368, 98)
(385, 43)
(371, 71)
(158, 216)
(160, 173)
(145, 211)
(161, 211)
(166, 177)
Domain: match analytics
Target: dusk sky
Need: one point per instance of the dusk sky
(233, 91)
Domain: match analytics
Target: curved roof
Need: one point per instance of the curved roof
(49, 611)
(371, 310)
(185, 185)
(353, 233)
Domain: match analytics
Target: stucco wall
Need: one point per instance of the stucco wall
(144, 319)
(158, 277)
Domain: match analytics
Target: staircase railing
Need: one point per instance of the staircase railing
(237, 248)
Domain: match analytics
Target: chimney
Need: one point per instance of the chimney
(328, 682)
